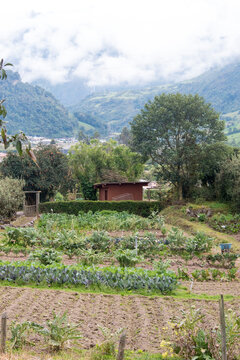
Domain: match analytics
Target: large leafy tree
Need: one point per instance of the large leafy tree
(175, 131)
(51, 175)
(19, 139)
(98, 162)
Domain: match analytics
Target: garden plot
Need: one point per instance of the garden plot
(93, 258)
(144, 318)
(66, 244)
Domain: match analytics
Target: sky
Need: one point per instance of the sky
(114, 42)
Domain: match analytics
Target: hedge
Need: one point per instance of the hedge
(142, 208)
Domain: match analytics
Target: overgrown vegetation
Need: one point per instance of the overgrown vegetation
(11, 197)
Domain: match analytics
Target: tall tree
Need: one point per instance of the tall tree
(52, 174)
(174, 130)
(98, 162)
(17, 139)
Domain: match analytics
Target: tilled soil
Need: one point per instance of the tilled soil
(214, 288)
(144, 318)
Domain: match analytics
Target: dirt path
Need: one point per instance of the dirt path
(143, 317)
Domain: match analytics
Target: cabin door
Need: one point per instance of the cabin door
(106, 194)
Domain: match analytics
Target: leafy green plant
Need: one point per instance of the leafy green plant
(226, 260)
(100, 241)
(20, 236)
(89, 257)
(196, 274)
(20, 332)
(112, 277)
(46, 256)
(232, 273)
(175, 239)
(202, 217)
(107, 347)
(190, 340)
(226, 223)
(147, 244)
(127, 257)
(11, 194)
(199, 243)
(182, 274)
(161, 266)
(216, 273)
(58, 331)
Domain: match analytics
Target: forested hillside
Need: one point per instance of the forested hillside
(34, 110)
(220, 87)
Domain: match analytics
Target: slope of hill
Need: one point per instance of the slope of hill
(34, 110)
(68, 93)
(220, 87)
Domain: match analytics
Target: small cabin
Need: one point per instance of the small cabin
(118, 191)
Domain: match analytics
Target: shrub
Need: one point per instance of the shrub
(107, 348)
(100, 241)
(127, 257)
(199, 243)
(147, 244)
(177, 241)
(58, 331)
(59, 197)
(226, 260)
(46, 256)
(20, 236)
(19, 333)
(142, 208)
(189, 337)
(11, 196)
(89, 257)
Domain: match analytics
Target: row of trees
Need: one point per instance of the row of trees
(85, 165)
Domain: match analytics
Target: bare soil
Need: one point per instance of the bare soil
(214, 288)
(144, 318)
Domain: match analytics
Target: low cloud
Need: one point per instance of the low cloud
(112, 42)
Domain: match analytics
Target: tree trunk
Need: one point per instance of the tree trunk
(180, 191)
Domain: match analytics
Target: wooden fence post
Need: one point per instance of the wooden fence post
(121, 347)
(3, 331)
(223, 328)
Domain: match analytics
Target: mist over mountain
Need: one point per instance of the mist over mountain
(219, 86)
(36, 111)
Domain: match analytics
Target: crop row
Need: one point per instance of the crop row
(120, 278)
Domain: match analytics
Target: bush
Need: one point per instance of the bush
(177, 241)
(142, 208)
(11, 196)
(20, 237)
(46, 256)
(127, 257)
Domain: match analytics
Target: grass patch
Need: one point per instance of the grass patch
(175, 216)
(182, 292)
(76, 354)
